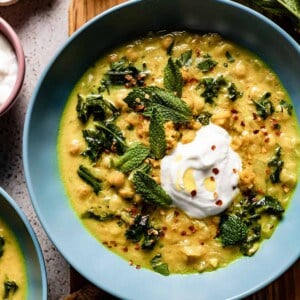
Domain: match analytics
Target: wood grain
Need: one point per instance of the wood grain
(286, 287)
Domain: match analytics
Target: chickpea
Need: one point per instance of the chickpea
(131, 54)
(126, 193)
(188, 136)
(112, 57)
(116, 179)
(167, 41)
(240, 69)
(75, 148)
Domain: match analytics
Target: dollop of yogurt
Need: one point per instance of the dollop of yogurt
(8, 69)
(202, 176)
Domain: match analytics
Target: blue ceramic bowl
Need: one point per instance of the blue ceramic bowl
(81, 249)
(34, 263)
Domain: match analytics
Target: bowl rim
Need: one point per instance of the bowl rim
(33, 237)
(12, 37)
(33, 197)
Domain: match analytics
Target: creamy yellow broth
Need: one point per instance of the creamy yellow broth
(185, 245)
(12, 267)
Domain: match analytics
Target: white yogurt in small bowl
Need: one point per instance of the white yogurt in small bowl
(12, 66)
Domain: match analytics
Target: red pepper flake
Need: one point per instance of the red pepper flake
(164, 228)
(183, 233)
(192, 228)
(234, 111)
(234, 170)
(243, 124)
(219, 202)
(254, 116)
(235, 117)
(278, 133)
(215, 195)
(193, 193)
(212, 178)
(138, 267)
(267, 140)
(137, 247)
(256, 131)
(176, 213)
(215, 171)
(105, 243)
(213, 147)
(125, 249)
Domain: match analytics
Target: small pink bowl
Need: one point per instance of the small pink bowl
(12, 37)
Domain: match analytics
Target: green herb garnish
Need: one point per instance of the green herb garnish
(171, 107)
(159, 266)
(229, 57)
(86, 175)
(10, 288)
(185, 59)
(96, 214)
(157, 136)
(212, 87)
(207, 64)
(123, 72)
(233, 92)
(204, 118)
(173, 80)
(141, 230)
(287, 106)
(132, 158)
(150, 191)
(2, 243)
(276, 163)
(264, 106)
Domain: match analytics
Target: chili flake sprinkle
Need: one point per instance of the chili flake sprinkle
(215, 171)
(213, 147)
(193, 193)
(219, 202)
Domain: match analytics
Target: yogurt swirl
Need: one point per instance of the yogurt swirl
(202, 176)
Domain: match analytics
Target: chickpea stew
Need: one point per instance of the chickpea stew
(139, 104)
(13, 282)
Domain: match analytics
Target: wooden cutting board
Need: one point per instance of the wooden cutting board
(286, 287)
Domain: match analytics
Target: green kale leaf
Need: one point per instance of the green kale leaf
(276, 164)
(207, 64)
(123, 72)
(10, 288)
(159, 266)
(233, 230)
(212, 87)
(98, 215)
(264, 106)
(141, 230)
(2, 243)
(86, 175)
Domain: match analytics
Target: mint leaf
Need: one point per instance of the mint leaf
(171, 107)
(185, 59)
(150, 191)
(157, 134)
(173, 80)
(132, 158)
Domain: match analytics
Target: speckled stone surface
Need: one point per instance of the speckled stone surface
(42, 27)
